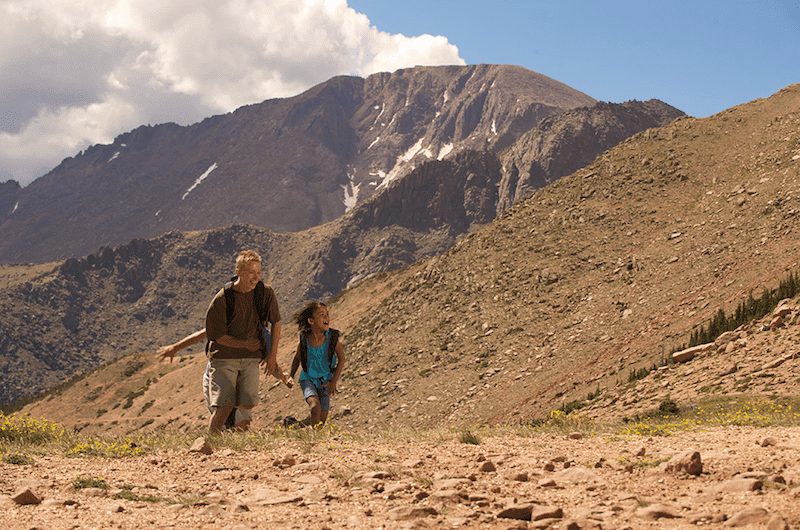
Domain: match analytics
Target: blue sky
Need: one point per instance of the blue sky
(701, 56)
(75, 73)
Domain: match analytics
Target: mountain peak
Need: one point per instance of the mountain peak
(308, 158)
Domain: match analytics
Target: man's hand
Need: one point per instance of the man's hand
(278, 374)
(270, 364)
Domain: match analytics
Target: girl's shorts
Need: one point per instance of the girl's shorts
(312, 390)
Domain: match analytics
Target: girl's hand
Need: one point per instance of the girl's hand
(289, 382)
(331, 385)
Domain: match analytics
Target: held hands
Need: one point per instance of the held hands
(277, 373)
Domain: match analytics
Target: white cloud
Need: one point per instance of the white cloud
(79, 72)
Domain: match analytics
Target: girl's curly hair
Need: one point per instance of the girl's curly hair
(302, 315)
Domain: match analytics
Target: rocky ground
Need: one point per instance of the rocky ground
(757, 359)
(740, 477)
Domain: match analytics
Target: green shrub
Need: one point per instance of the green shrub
(82, 482)
(18, 459)
(636, 374)
(669, 407)
(572, 405)
(467, 437)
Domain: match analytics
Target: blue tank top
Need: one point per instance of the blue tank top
(318, 366)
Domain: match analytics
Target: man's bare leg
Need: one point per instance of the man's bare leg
(244, 418)
(218, 419)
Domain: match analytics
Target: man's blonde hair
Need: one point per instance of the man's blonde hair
(245, 256)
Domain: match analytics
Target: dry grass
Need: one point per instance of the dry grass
(23, 438)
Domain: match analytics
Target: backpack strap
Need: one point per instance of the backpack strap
(261, 312)
(304, 352)
(333, 338)
(258, 300)
(230, 301)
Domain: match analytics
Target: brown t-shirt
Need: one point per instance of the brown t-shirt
(244, 324)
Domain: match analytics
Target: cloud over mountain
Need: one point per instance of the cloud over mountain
(80, 73)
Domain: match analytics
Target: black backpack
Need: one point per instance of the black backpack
(261, 311)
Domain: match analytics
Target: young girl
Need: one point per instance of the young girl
(320, 354)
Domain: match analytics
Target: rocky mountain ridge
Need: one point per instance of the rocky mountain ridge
(54, 326)
(305, 159)
(600, 273)
(78, 314)
(565, 142)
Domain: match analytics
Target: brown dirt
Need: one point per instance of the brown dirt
(428, 482)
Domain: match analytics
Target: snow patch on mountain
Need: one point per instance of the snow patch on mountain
(381, 176)
(200, 179)
(382, 107)
(115, 155)
(350, 193)
(444, 151)
(403, 163)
